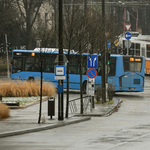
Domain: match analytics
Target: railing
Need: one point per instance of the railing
(74, 104)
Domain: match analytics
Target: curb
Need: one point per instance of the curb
(46, 127)
(28, 105)
(115, 105)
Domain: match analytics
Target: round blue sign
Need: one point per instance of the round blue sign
(128, 35)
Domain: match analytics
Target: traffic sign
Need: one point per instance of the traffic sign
(128, 26)
(59, 72)
(116, 42)
(108, 44)
(128, 35)
(127, 43)
(91, 73)
(92, 61)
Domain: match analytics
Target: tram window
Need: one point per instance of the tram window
(137, 53)
(143, 51)
(137, 50)
(148, 50)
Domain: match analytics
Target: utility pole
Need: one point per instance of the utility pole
(61, 62)
(103, 79)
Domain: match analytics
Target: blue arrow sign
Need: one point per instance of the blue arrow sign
(128, 35)
(92, 61)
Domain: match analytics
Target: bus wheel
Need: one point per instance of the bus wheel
(84, 87)
(30, 79)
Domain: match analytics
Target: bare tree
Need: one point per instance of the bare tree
(29, 10)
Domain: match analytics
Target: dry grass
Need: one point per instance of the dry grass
(25, 89)
(4, 111)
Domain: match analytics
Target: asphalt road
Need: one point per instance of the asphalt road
(128, 128)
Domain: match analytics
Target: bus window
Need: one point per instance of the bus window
(99, 72)
(48, 64)
(132, 64)
(112, 65)
(84, 66)
(29, 63)
(73, 65)
(135, 66)
(17, 65)
(126, 64)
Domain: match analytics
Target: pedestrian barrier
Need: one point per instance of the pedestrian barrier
(74, 104)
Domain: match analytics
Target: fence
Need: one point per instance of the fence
(74, 104)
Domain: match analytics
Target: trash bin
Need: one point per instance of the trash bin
(51, 106)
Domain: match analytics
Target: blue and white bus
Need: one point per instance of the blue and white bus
(125, 73)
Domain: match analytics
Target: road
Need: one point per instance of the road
(128, 128)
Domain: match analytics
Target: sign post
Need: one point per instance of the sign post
(91, 73)
(128, 37)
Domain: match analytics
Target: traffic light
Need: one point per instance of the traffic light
(108, 56)
(124, 51)
(9, 46)
(2, 48)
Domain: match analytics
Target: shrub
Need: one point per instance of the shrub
(4, 111)
(110, 91)
(98, 93)
(25, 89)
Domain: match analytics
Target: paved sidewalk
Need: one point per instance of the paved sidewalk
(25, 120)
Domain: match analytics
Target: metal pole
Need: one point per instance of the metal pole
(103, 55)
(40, 110)
(137, 21)
(7, 57)
(60, 82)
(127, 47)
(124, 18)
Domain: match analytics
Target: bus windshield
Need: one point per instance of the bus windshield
(132, 64)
